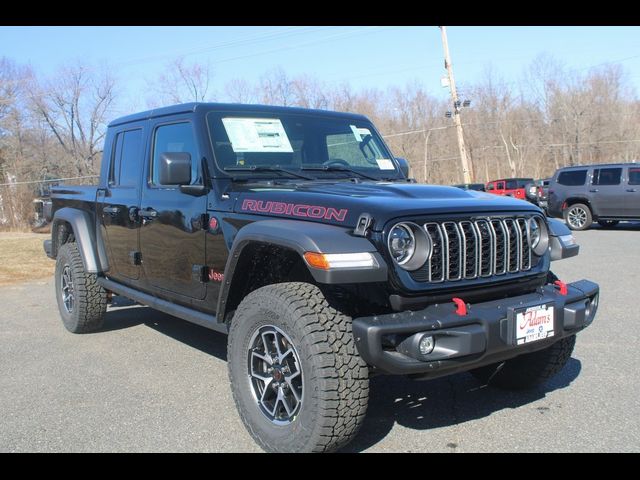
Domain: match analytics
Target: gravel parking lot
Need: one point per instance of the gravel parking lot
(149, 382)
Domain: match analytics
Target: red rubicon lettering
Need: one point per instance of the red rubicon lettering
(295, 210)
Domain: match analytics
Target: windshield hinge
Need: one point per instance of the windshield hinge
(365, 221)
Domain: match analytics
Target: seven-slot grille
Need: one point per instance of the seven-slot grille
(468, 249)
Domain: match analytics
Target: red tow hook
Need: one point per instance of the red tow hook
(461, 307)
(563, 287)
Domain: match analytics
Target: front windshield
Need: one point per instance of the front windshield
(316, 145)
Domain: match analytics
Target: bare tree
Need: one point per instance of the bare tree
(182, 83)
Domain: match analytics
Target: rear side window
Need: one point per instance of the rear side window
(177, 137)
(126, 162)
(572, 178)
(606, 176)
(511, 184)
(634, 176)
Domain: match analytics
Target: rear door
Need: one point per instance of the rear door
(632, 192)
(606, 191)
(172, 234)
(118, 204)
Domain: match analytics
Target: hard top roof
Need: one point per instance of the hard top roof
(227, 107)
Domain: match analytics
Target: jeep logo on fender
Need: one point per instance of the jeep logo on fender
(295, 209)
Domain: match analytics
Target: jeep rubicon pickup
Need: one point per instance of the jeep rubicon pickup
(298, 234)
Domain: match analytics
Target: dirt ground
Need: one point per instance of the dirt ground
(22, 258)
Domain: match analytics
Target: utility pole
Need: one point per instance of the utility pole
(467, 168)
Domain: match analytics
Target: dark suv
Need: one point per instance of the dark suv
(606, 193)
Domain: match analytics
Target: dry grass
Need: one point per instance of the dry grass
(22, 258)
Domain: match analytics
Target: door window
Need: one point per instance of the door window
(634, 176)
(606, 176)
(126, 162)
(572, 178)
(176, 137)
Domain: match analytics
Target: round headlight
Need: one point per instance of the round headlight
(402, 243)
(409, 245)
(538, 235)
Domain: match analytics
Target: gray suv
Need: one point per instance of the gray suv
(606, 193)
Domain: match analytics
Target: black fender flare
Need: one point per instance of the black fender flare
(559, 245)
(301, 237)
(92, 251)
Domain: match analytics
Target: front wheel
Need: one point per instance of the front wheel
(296, 376)
(578, 217)
(528, 370)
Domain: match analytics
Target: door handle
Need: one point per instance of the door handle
(111, 210)
(148, 213)
(593, 190)
(631, 190)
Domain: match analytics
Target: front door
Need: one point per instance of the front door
(118, 204)
(607, 192)
(172, 236)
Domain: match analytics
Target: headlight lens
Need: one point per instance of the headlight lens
(402, 243)
(409, 245)
(538, 236)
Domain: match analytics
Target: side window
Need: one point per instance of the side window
(634, 176)
(131, 159)
(116, 153)
(572, 178)
(490, 186)
(512, 184)
(499, 185)
(606, 176)
(177, 137)
(126, 159)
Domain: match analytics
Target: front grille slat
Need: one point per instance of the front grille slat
(476, 248)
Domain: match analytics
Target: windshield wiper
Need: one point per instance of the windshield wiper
(264, 168)
(335, 168)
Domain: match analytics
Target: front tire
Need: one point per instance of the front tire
(297, 379)
(81, 301)
(578, 216)
(528, 370)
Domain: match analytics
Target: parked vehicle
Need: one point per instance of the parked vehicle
(536, 192)
(299, 234)
(479, 187)
(605, 193)
(511, 187)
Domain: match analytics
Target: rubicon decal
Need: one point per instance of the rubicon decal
(294, 209)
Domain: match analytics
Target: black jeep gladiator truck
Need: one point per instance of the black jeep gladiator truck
(298, 234)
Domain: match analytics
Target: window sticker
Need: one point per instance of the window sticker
(257, 135)
(359, 132)
(385, 164)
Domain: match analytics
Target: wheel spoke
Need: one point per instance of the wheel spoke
(264, 358)
(285, 402)
(294, 391)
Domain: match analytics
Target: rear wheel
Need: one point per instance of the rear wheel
(608, 223)
(296, 376)
(81, 301)
(528, 370)
(578, 217)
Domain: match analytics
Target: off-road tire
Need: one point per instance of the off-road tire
(528, 370)
(588, 221)
(336, 379)
(90, 299)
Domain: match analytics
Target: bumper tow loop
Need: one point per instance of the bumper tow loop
(461, 307)
(562, 285)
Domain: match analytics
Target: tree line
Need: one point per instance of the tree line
(54, 126)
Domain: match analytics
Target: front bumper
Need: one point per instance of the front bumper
(485, 335)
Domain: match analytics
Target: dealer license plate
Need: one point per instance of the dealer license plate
(534, 323)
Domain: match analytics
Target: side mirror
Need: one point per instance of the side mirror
(175, 168)
(404, 166)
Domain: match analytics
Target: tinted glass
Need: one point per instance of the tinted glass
(295, 142)
(177, 137)
(511, 184)
(634, 176)
(114, 168)
(572, 177)
(131, 158)
(606, 176)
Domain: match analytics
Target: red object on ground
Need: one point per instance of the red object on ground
(461, 307)
(562, 285)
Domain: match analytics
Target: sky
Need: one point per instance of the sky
(362, 56)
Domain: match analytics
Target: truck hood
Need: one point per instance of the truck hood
(341, 203)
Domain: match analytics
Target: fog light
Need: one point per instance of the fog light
(426, 345)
